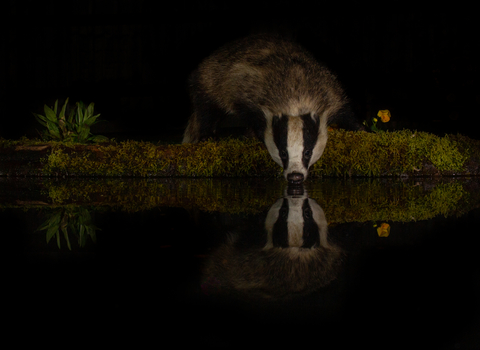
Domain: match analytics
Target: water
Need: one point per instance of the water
(242, 262)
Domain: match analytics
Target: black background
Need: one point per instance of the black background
(133, 58)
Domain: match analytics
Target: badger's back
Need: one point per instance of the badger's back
(275, 75)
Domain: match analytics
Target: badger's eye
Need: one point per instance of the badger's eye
(307, 213)
(307, 153)
(283, 154)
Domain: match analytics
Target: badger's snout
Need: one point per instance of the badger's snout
(295, 178)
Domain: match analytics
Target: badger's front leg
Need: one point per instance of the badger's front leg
(206, 116)
(203, 122)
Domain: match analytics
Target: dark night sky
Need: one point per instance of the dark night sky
(132, 59)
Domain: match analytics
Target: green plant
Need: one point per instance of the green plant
(74, 127)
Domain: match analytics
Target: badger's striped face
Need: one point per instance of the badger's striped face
(295, 143)
(296, 222)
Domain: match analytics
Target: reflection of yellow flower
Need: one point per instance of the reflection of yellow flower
(384, 114)
(383, 230)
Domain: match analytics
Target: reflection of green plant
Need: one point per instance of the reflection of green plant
(76, 221)
(74, 127)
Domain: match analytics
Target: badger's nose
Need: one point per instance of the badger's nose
(295, 178)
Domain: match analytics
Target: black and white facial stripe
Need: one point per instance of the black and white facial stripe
(296, 222)
(304, 229)
(296, 143)
(311, 126)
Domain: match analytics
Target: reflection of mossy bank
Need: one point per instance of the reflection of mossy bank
(397, 153)
(377, 200)
(346, 200)
(133, 195)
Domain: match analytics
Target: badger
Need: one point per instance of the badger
(284, 96)
(290, 255)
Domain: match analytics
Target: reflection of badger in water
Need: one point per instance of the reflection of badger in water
(292, 255)
(279, 90)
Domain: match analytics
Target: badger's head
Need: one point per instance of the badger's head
(295, 143)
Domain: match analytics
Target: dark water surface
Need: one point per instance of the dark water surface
(242, 263)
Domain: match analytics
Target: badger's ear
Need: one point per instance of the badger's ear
(346, 118)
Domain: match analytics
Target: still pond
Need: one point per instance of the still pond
(243, 262)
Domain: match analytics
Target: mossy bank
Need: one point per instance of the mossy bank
(399, 153)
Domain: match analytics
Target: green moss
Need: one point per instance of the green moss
(347, 154)
(228, 157)
(225, 158)
(130, 158)
(389, 153)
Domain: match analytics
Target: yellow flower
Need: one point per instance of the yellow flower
(384, 114)
(383, 230)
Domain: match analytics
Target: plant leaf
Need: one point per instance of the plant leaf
(99, 138)
(50, 114)
(43, 226)
(62, 112)
(58, 239)
(90, 109)
(51, 232)
(83, 134)
(71, 115)
(65, 234)
(92, 120)
(82, 237)
(53, 129)
(55, 107)
(40, 116)
(80, 112)
(41, 119)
